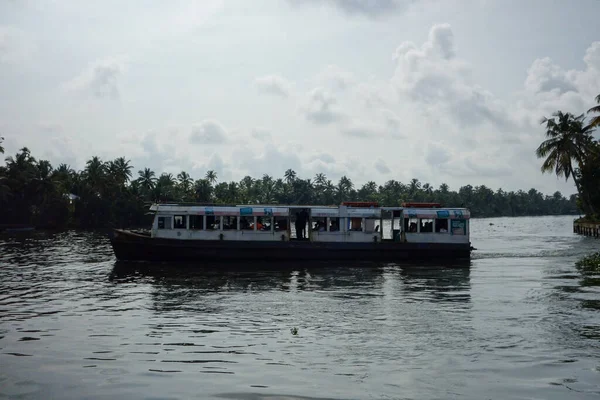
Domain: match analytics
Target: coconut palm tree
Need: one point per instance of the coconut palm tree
(568, 140)
(290, 176)
(185, 183)
(211, 176)
(147, 179)
(95, 173)
(120, 169)
(267, 189)
(595, 122)
(203, 190)
(1, 148)
(344, 187)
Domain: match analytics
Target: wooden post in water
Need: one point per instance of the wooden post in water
(591, 229)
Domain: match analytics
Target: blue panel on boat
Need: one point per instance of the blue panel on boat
(246, 211)
(268, 211)
(209, 211)
(443, 214)
(412, 214)
(458, 213)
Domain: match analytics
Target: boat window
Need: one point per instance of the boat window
(164, 222)
(426, 225)
(213, 222)
(356, 224)
(370, 225)
(229, 223)
(441, 225)
(319, 224)
(264, 223)
(179, 221)
(334, 224)
(281, 223)
(410, 225)
(196, 222)
(459, 226)
(246, 223)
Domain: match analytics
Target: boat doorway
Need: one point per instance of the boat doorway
(299, 218)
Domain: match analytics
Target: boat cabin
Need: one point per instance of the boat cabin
(349, 222)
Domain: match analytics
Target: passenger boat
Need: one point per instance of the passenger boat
(350, 231)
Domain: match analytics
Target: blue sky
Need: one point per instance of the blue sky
(440, 90)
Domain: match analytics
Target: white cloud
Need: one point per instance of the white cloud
(545, 76)
(383, 124)
(436, 154)
(442, 111)
(382, 167)
(369, 8)
(321, 107)
(274, 84)
(269, 159)
(432, 75)
(261, 134)
(100, 78)
(336, 78)
(208, 132)
(16, 46)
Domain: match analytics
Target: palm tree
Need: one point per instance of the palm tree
(344, 187)
(246, 187)
(290, 176)
(203, 190)
(595, 122)
(164, 189)
(320, 179)
(147, 178)
(414, 187)
(568, 140)
(211, 176)
(185, 182)
(267, 189)
(22, 167)
(1, 148)
(94, 173)
(120, 169)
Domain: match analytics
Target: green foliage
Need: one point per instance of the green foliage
(595, 122)
(570, 151)
(589, 264)
(104, 193)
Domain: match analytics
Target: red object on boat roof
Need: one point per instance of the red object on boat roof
(421, 205)
(360, 204)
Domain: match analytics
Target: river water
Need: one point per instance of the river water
(520, 322)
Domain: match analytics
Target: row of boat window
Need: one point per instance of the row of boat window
(320, 224)
(197, 222)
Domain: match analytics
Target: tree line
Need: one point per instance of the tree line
(570, 151)
(107, 194)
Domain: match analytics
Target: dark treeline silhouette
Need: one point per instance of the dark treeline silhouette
(106, 194)
(571, 151)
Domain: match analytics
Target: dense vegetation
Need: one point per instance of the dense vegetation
(105, 193)
(571, 151)
(589, 264)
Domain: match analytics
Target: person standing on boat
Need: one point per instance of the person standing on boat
(298, 226)
(304, 221)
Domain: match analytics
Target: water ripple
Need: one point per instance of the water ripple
(519, 321)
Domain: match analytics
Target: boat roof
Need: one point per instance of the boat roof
(316, 210)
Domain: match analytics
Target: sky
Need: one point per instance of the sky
(445, 91)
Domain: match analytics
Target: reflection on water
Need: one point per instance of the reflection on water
(518, 321)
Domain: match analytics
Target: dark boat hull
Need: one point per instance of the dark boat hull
(134, 247)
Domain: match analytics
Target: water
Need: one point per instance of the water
(520, 322)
